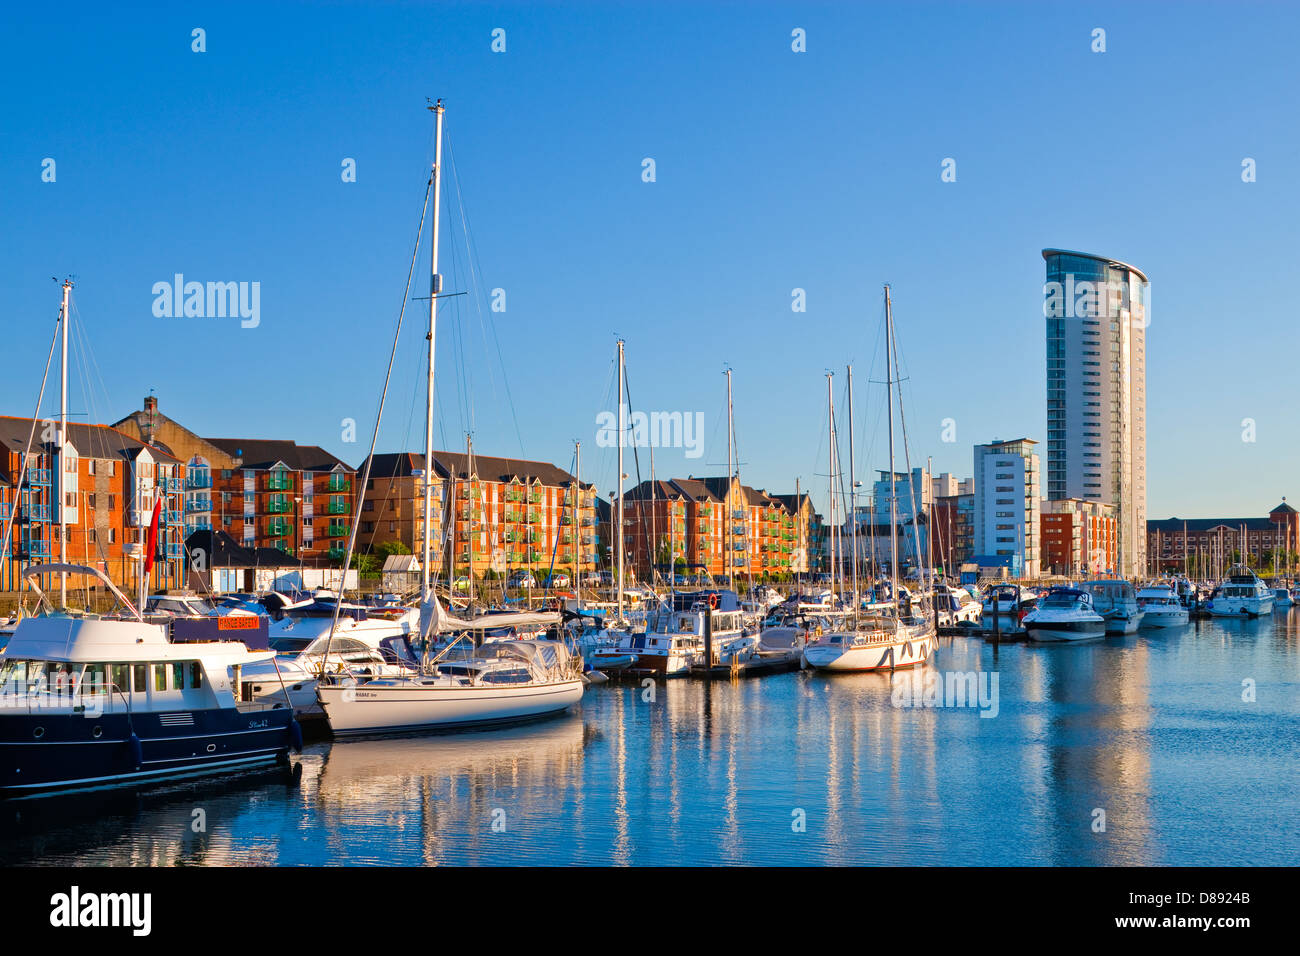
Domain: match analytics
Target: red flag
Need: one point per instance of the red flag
(153, 536)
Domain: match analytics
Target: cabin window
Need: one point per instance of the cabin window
(139, 678)
(159, 676)
(97, 677)
(178, 676)
(119, 678)
(196, 675)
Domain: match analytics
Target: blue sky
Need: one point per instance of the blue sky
(774, 170)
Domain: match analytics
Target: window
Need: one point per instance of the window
(112, 502)
(392, 526)
(159, 676)
(139, 678)
(178, 676)
(112, 536)
(196, 675)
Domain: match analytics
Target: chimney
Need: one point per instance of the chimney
(150, 412)
(151, 404)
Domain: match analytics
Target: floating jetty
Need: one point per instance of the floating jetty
(753, 667)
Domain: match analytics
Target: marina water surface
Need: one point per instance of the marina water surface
(1167, 747)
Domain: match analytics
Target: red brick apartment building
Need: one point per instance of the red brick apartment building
(1078, 536)
(107, 484)
(264, 493)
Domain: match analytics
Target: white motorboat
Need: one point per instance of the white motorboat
(1282, 598)
(956, 607)
(1241, 594)
(674, 640)
(1116, 601)
(1065, 614)
(1161, 607)
(1008, 599)
(91, 701)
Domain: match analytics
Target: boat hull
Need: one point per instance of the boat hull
(886, 655)
(44, 752)
(1171, 618)
(1057, 632)
(402, 708)
(1241, 607)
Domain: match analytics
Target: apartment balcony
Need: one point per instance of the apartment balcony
(534, 516)
(279, 481)
(705, 527)
(35, 547)
(587, 522)
(588, 539)
(198, 505)
(566, 519)
(173, 484)
(275, 507)
(278, 529)
(339, 530)
(338, 553)
(34, 513)
(338, 483)
(5, 510)
(534, 497)
(175, 550)
(172, 517)
(196, 482)
(338, 508)
(738, 515)
(706, 511)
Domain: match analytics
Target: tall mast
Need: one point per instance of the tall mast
(618, 512)
(893, 479)
(577, 521)
(730, 515)
(61, 474)
(435, 288)
(469, 511)
(853, 495)
(830, 456)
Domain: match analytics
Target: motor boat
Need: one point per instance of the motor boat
(1065, 614)
(1241, 594)
(674, 641)
(956, 607)
(1116, 601)
(93, 701)
(874, 643)
(1161, 607)
(1008, 599)
(1282, 598)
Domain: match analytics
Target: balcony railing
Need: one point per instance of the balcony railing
(38, 476)
(198, 504)
(534, 516)
(339, 530)
(175, 550)
(279, 507)
(34, 512)
(279, 481)
(337, 508)
(173, 517)
(194, 482)
(338, 483)
(278, 529)
(337, 553)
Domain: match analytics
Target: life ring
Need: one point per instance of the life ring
(713, 599)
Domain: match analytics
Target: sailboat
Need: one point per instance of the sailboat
(503, 681)
(904, 635)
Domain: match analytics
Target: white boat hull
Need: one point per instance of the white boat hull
(409, 708)
(1241, 607)
(885, 655)
(1166, 617)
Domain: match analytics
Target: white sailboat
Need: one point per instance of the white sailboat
(900, 637)
(503, 681)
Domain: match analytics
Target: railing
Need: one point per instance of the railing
(198, 504)
(194, 482)
(279, 482)
(34, 512)
(173, 484)
(338, 484)
(534, 497)
(339, 530)
(278, 507)
(337, 508)
(38, 476)
(534, 516)
(175, 550)
(337, 553)
(566, 519)
(173, 517)
(278, 529)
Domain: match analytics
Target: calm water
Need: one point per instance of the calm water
(1151, 728)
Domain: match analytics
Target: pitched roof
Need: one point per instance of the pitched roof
(263, 453)
(694, 488)
(405, 463)
(91, 441)
(1283, 508)
(652, 491)
(1175, 525)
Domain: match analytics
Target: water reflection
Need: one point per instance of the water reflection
(1152, 729)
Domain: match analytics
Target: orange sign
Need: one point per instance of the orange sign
(237, 622)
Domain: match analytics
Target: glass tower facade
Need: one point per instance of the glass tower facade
(1097, 311)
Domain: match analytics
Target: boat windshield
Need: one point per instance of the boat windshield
(1062, 599)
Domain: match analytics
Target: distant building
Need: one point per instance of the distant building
(1079, 537)
(493, 514)
(718, 527)
(1007, 506)
(953, 528)
(1097, 314)
(1209, 546)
